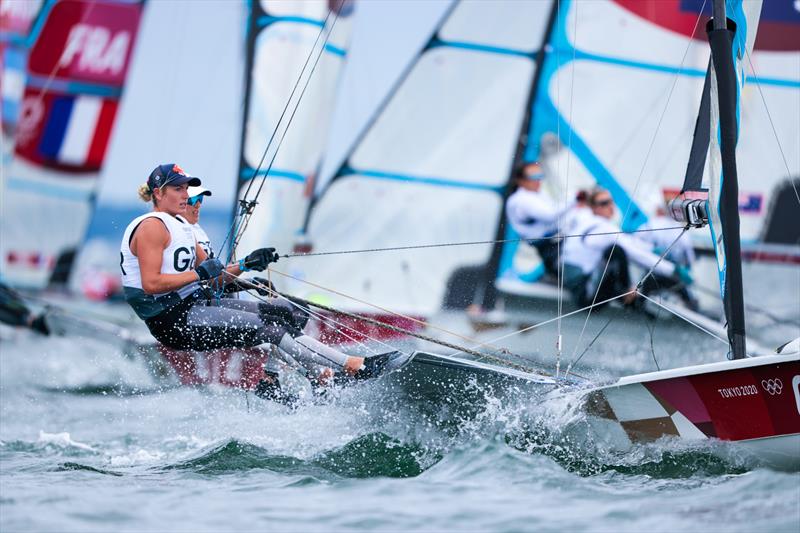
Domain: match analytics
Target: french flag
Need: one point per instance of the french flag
(77, 130)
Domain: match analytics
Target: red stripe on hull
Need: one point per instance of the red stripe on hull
(740, 404)
(348, 330)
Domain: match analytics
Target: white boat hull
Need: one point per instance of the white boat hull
(753, 402)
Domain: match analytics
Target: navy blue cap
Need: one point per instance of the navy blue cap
(170, 174)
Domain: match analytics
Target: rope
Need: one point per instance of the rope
(472, 243)
(318, 316)
(369, 320)
(248, 205)
(551, 320)
(641, 172)
(422, 323)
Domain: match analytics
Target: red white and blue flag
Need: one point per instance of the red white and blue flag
(65, 130)
(76, 72)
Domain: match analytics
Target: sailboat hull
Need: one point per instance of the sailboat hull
(755, 402)
(452, 389)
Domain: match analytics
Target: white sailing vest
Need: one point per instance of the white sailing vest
(179, 256)
(201, 236)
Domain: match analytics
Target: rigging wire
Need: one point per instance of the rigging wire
(641, 172)
(246, 206)
(550, 321)
(471, 243)
(772, 125)
(636, 290)
(560, 264)
(383, 309)
(459, 349)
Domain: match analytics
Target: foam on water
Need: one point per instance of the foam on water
(219, 459)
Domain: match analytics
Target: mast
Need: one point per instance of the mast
(720, 37)
(487, 299)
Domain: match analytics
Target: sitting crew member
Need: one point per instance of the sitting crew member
(14, 312)
(534, 215)
(162, 270)
(294, 313)
(585, 257)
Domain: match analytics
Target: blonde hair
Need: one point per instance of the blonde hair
(145, 194)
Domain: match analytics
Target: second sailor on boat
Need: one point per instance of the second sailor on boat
(163, 272)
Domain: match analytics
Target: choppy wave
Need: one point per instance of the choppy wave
(372, 455)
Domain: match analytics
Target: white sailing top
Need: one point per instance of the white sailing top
(587, 250)
(179, 256)
(681, 252)
(532, 214)
(201, 236)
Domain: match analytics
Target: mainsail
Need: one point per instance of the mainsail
(282, 38)
(621, 110)
(75, 76)
(432, 164)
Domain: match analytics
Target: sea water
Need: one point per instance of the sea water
(90, 442)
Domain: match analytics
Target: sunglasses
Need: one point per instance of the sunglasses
(603, 203)
(194, 200)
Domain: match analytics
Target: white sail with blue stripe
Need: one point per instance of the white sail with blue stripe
(432, 165)
(622, 111)
(282, 37)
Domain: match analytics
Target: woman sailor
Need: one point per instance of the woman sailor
(534, 215)
(162, 271)
(291, 312)
(597, 257)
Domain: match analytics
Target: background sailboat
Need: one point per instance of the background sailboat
(447, 130)
(754, 401)
(75, 74)
(617, 113)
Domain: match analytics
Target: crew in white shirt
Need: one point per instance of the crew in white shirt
(586, 256)
(192, 217)
(534, 215)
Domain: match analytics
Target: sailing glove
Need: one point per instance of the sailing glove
(682, 273)
(209, 269)
(259, 259)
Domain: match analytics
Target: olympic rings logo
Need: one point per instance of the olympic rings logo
(772, 386)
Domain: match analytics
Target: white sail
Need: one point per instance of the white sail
(75, 76)
(623, 109)
(282, 38)
(431, 166)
